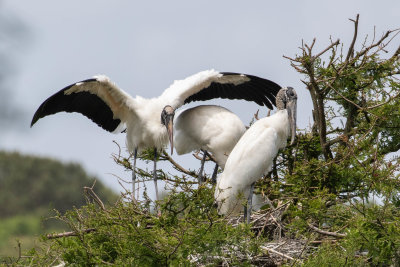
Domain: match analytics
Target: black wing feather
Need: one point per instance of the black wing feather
(85, 103)
(259, 90)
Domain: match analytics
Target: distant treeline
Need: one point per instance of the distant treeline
(30, 184)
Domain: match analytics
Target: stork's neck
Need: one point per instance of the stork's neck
(150, 132)
(280, 121)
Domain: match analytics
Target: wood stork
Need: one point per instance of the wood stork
(149, 122)
(253, 155)
(209, 128)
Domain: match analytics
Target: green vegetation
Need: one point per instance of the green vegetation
(333, 198)
(31, 184)
(30, 189)
(187, 230)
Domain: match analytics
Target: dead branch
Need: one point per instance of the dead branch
(326, 49)
(351, 48)
(179, 167)
(271, 250)
(68, 234)
(90, 193)
(291, 59)
(309, 48)
(320, 231)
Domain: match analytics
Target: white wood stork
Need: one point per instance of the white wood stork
(209, 128)
(253, 155)
(149, 122)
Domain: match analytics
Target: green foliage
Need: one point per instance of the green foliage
(187, 231)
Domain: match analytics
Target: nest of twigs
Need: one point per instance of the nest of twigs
(282, 248)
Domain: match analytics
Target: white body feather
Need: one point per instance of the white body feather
(250, 159)
(142, 116)
(208, 127)
(144, 128)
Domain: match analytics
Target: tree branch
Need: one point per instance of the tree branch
(315, 229)
(351, 48)
(271, 250)
(179, 167)
(89, 192)
(326, 49)
(68, 234)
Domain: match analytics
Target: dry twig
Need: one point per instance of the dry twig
(90, 193)
(320, 231)
(271, 250)
(72, 233)
(177, 166)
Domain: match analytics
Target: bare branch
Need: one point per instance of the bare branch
(326, 49)
(351, 48)
(271, 250)
(179, 167)
(312, 227)
(309, 48)
(291, 59)
(362, 52)
(68, 234)
(89, 191)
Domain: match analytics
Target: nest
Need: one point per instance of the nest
(280, 250)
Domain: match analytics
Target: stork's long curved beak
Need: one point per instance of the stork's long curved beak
(170, 130)
(291, 108)
(167, 118)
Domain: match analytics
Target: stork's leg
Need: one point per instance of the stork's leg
(249, 207)
(134, 174)
(214, 175)
(245, 213)
(200, 176)
(155, 173)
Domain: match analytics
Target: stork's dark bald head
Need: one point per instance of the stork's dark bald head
(167, 112)
(291, 93)
(285, 95)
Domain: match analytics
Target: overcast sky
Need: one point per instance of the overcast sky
(144, 46)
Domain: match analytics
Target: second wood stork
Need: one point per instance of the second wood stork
(209, 128)
(253, 155)
(149, 122)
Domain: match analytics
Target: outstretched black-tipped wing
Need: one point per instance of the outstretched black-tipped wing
(238, 86)
(97, 98)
